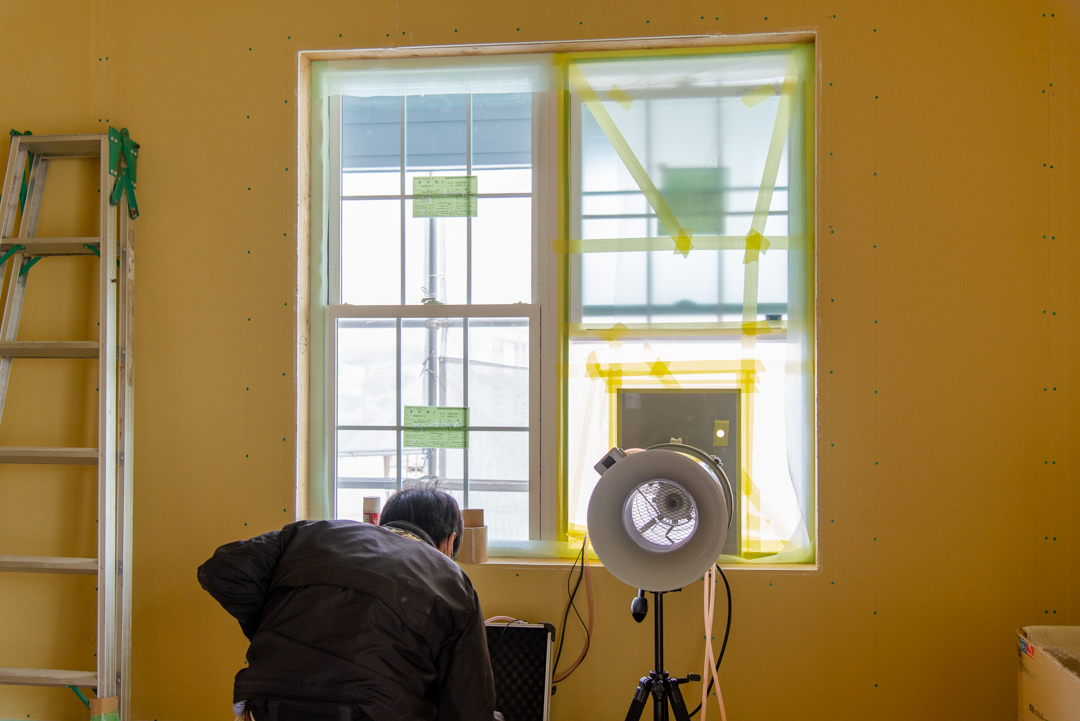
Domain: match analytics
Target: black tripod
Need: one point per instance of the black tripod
(663, 688)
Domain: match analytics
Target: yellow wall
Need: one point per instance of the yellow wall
(945, 467)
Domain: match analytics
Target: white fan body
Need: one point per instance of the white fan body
(658, 519)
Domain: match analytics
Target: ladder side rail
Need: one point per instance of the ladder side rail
(35, 191)
(9, 324)
(9, 194)
(108, 637)
(126, 443)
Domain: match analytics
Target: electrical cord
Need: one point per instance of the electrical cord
(583, 556)
(510, 621)
(727, 633)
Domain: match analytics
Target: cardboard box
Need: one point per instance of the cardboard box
(1049, 673)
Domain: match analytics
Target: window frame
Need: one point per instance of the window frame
(312, 364)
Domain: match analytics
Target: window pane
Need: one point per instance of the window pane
(371, 146)
(446, 465)
(502, 142)
(772, 279)
(702, 129)
(499, 371)
(615, 287)
(686, 287)
(435, 258)
(431, 351)
(502, 251)
(366, 466)
(499, 482)
(435, 127)
(366, 372)
(371, 252)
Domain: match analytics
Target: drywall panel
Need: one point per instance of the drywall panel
(948, 380)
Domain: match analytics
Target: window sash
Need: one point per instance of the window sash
(531, 312)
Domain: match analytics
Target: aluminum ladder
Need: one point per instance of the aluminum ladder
(113, 251)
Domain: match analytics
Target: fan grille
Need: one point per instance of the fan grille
(663, 513)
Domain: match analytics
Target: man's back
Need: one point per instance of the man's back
(344, 612)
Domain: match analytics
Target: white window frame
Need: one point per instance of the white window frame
(541, 313)
(315, 389)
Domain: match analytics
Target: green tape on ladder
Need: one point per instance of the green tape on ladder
(11, 251)
(90, 247)
(26, 268)
(123, 148)
(86, 701)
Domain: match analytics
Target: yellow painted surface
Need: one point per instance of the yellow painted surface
(948, 507)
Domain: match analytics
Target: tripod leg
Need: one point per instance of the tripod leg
(640, 696)
(677, 703)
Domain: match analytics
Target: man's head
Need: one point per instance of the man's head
(435, 511)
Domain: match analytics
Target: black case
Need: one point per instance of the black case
(521, 663)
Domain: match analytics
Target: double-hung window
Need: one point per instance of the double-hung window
(532, 258)
(434, 320)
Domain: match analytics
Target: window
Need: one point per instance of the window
(433, 291)
(678, 301)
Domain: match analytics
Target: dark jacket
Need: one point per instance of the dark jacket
(340, 611)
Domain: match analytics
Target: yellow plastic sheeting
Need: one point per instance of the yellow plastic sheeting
(605, 379)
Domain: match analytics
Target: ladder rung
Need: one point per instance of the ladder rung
(62, 456)
(47, 677)
(88, 145)
(49, 349)
(48, 564)
(51, 246)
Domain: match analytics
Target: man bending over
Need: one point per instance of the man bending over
(353, 621)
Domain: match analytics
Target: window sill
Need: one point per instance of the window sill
(541, 564)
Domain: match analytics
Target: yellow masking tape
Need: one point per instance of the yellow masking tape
(755, 243)
(764, 202)
(759, 95)
(616, 373)
(621, 97)
(680, 235)
(661, 371)
(701, 242)
(651, 53)
(674, 330)
(776, 150)
(613, 333)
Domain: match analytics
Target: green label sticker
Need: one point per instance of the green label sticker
(445, 185)
(436, 427)
(444, 196)
(444, 206)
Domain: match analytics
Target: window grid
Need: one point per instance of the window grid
(403, 197)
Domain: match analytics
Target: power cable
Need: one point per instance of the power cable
(572, 593)
(727, 633)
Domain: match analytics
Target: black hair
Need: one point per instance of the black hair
(435, 511)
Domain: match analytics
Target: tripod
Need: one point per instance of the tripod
(664, 689)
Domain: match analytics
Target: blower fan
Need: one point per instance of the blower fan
(658, 520)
